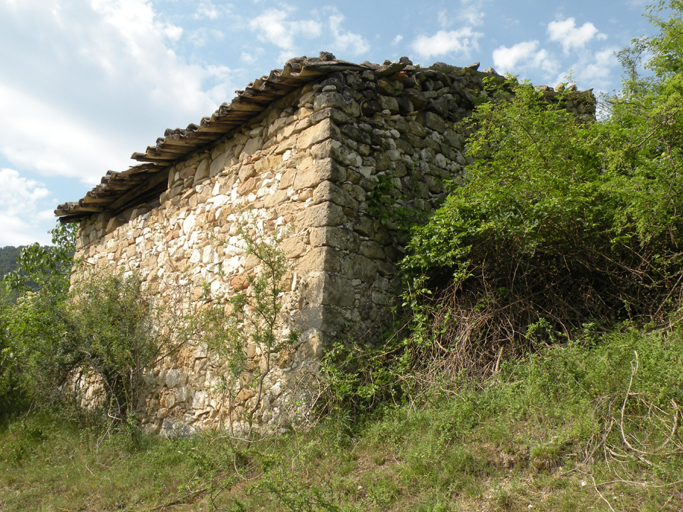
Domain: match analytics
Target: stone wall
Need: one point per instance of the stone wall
(332, 165)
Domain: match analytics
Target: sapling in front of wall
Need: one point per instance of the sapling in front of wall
(255, 318)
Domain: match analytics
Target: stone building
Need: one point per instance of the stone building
(333, 155)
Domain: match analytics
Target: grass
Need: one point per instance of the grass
(543, 434)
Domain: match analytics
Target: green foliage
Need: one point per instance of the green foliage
(360, 378)
(105, 330)
(40, 344)
(396, 208)
(254, 317)
(644, 132)
(295, 496)
(537, 433)
(562, 221)
(555, 268)
(30, 302)
(565, 228)
(47, 267)
(117, 336)
(11, 395)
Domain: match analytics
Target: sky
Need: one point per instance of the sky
(85, 83)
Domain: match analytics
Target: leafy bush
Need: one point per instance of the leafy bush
(106, 330)
(47, 268)
(12, 397)
(103, 329)
(30, 311)
(115, 325)
(536, 433)
(564, 225)
(562, 221)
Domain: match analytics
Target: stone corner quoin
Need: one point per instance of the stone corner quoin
(320, 151)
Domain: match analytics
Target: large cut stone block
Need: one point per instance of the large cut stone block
(341, 238)
(320, 258)
(293, 247)
(356, 266)
(320, 171)
(325, 129)
(328, 191)
(323, 214)
(329, 290)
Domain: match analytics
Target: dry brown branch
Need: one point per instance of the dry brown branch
(634, 370)
(666, 503)
(600, 494)
(180, 500)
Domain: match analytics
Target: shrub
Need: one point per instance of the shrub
(107, 327)
(562, 221)
(31, 319)
(116, 331)
(564, 225)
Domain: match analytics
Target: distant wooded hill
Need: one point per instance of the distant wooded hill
(8, 259)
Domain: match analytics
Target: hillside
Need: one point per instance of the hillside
(571, 428)
(8, 259)
(535, 361)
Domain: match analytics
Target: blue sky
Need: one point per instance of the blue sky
(85, 83)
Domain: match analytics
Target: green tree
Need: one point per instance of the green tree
(49, 267)
(32, 320)
(106, 327)
(643, 137)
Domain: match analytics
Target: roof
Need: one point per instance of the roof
(119, 190)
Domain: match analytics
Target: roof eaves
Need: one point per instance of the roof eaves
(178, 143)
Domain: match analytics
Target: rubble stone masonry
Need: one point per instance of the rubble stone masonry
(326, 166)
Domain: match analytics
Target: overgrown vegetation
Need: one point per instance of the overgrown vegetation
(562, 222)
(565, 429)
(540, 365)
(105, 331)
(254, 319)
(28, 316)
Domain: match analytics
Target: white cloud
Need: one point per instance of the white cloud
(570, 36)
(131, 27)
(600, 68)
(343, 40)
(206, 10)
(135, 22)
(84, 83)
(594, 70)
(443, 19)
(505, 59)
(471, 12)
(247, 58)
(220, 75)
(203, 35)
(20, 214)
(274, 26)
(173, 32)
(36, 135)
(397, 39)
(461, 41)
(524, 55)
